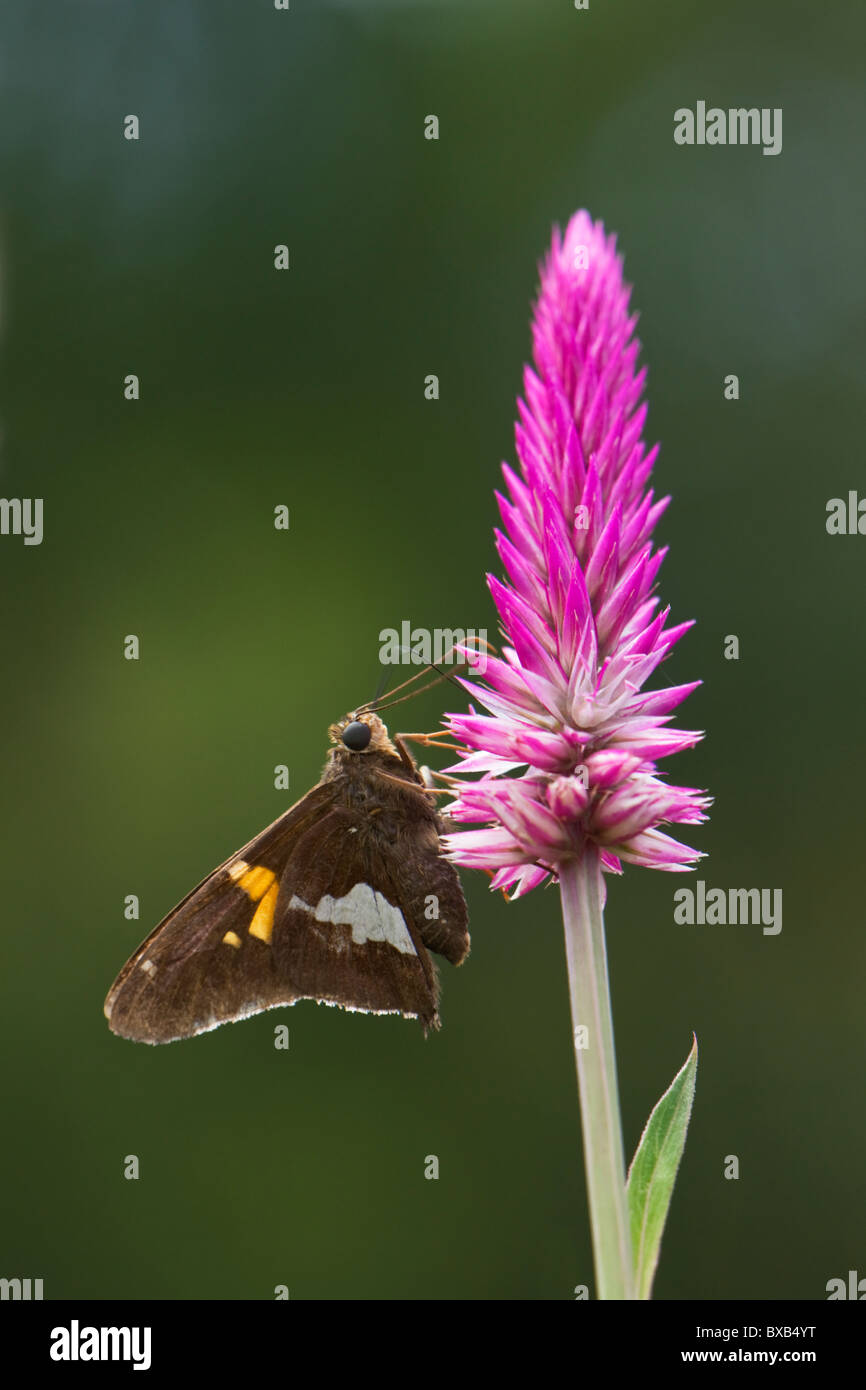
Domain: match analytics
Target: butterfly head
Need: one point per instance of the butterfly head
(361, 733)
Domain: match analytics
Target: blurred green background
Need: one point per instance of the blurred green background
(408, 257)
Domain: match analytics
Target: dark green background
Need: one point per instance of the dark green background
(306, 388)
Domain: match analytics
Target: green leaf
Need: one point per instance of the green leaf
(653, 1171)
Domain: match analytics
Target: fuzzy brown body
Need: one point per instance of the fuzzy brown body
(340, 900)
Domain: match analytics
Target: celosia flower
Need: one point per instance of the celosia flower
(578, 609)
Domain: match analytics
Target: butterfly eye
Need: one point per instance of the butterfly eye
(356, 735)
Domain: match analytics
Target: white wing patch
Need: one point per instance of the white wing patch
(368, 913)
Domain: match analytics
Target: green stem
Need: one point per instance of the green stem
(581, 885)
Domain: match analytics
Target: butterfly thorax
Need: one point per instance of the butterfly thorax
(387, 793)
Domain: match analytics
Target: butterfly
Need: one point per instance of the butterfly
(340, 900)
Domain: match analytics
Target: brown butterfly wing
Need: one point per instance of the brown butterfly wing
(182, 979)
(316, 907)
(343, 932)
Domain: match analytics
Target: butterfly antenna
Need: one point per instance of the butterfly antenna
(410, 694)
(385, 701)
(379, 689)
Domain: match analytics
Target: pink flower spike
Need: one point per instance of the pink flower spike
(567, 750)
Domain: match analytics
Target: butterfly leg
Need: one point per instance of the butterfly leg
(427, 740)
